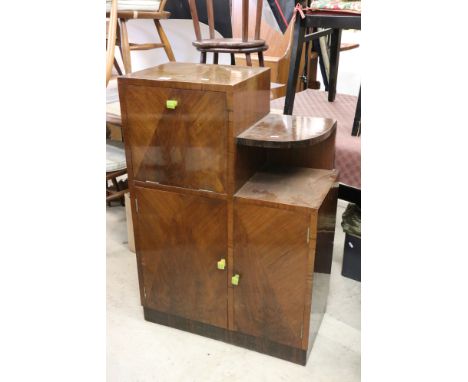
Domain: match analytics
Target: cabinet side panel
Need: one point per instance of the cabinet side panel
(247, 104)
(323, 262)
(326, 232)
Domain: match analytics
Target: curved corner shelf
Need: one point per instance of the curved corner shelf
(287, 131)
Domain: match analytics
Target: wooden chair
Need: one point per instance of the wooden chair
(276, 57)
(116, 166)
(244, 45)
(115, 154)
(126, 47)
(111, 39)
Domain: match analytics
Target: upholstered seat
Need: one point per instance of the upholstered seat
(115, 156)
(229, 43)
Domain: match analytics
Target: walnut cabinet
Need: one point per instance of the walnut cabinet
(233, 206)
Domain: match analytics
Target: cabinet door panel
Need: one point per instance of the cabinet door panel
(185, 146)
(270, 255)
(180, 238)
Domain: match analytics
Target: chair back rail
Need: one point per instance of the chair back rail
(196, 23)
(258, 19)
(244, 18)
(210, 11)
(278, 43)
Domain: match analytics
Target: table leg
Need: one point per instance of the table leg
(334, 62)
(357, 117)
(295, 62)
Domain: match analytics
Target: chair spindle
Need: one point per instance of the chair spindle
(196, 23)
(245, 20)
(209, 9)
(258, 19)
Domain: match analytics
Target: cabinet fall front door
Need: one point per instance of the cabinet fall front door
(180, 239)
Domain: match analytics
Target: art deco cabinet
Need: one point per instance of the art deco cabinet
(233, 206)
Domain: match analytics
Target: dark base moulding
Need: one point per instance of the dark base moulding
(260, 345)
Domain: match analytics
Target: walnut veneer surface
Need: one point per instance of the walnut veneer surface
(285, 131)
(199, 198)
(196, 76)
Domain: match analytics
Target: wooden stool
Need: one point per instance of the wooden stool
(124, 14)
(244, 45)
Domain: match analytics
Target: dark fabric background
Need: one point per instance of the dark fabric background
(222, 10)
(283, 11)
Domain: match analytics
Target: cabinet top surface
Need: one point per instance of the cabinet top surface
(294, 186)
(284, 131)
(199, 76)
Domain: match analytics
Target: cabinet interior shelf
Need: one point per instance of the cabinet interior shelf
(287, 131)
(289, 186)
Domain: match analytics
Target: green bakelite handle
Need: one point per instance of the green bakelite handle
(171, 104)
(235, 280)
(222, 264)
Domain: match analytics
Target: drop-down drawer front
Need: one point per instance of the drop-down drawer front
(182, 144)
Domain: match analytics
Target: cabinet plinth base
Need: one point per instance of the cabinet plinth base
(261, 345)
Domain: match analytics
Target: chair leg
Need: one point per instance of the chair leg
(203, 58)
(215, 58)
(295, 62)
(248, 59)
(233, 59)
(357, 117)
(261, 62)
(117, 67)
(125, 46)
(323, 70)
(107, 193)
(164, 40)
(334, 61)
(115, 183)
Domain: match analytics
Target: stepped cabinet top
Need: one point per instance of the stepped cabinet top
(287, 131)
(196, 76)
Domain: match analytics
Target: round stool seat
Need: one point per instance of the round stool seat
(228, 43)
(115, 156)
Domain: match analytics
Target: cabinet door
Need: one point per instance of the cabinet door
(179, 240)
(270, 255)
(185, 146)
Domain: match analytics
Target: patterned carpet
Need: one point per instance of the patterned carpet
(348, 148)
